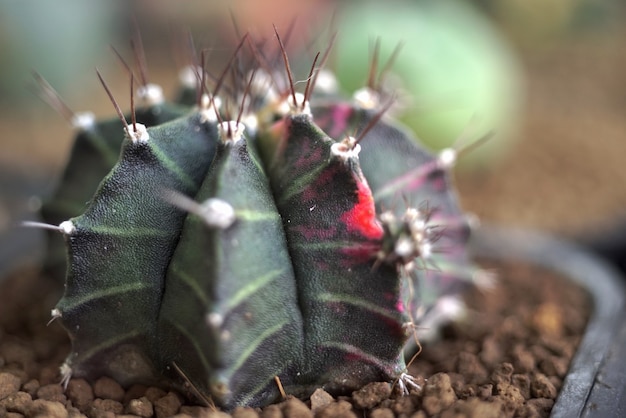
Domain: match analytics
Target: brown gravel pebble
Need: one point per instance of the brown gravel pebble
(541, 405)
(319, 399)
(371, 395)
(294, 407)
(340, 409)
(9, 385)
(522, 383)
(438, 394)
(141, 407)
(107, 405)
(18, 402)
(153, 394)
(32, 386)
(486, 367)
(245, 413)
(52, 392)
(41, 408)
(541, 387)
(167, 405)
(272, 411)
(474, 408)
(502, 373)
(80, 393)
(382, 413)
(107, 388)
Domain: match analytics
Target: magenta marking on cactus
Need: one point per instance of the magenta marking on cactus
(320, 188)
(308, 156)
(363, 253)
(340, 116)
(412, 180)
(400, 306)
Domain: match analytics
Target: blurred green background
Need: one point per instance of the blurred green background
(547, 76)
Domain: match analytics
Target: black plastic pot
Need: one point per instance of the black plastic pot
(595, 385)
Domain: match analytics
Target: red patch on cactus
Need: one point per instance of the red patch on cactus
(362, 217)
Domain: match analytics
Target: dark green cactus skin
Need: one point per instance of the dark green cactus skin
(303, 285)
(126, 226)
(231, 280)
(95, 151)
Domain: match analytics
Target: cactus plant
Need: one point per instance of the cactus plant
(232, 255)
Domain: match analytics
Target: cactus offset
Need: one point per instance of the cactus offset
(227, 254)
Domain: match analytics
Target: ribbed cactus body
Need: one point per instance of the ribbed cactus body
(230, 317)
(232, 255)
(95, 151)
(119, 249)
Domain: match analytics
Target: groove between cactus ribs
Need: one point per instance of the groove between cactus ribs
(173, 167)
(357, 302)
(93, 351)
(253, 287)
(73, 302)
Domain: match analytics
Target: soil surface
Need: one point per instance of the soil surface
(507, 358)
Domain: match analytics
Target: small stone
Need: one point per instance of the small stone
(382, 413)
(491, 352)
(80, 393)
(371, 395)
(167, 405)
(272, 411)
(141, 407)
(99, 413)
(74, 413)
(52, 392)
(502, 373)
(523, 360)
(18, 402)
(295, 408)
(438, 394)
(510, 396)
(9, 385)
(241, 412)
(49, 375)
(548, 320)
(554, 366)
(215, 414)
(154, 393)
(522, 382)
(108, 405)
(474, 408)
(31, 387)
(470, 366)
(401, 406)
(107, 388)
(542, 406)
(541, 387)
(319, 399)
(194, 411)
(485, 391)
(48, 409)
(134, 392)
(339, 409)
